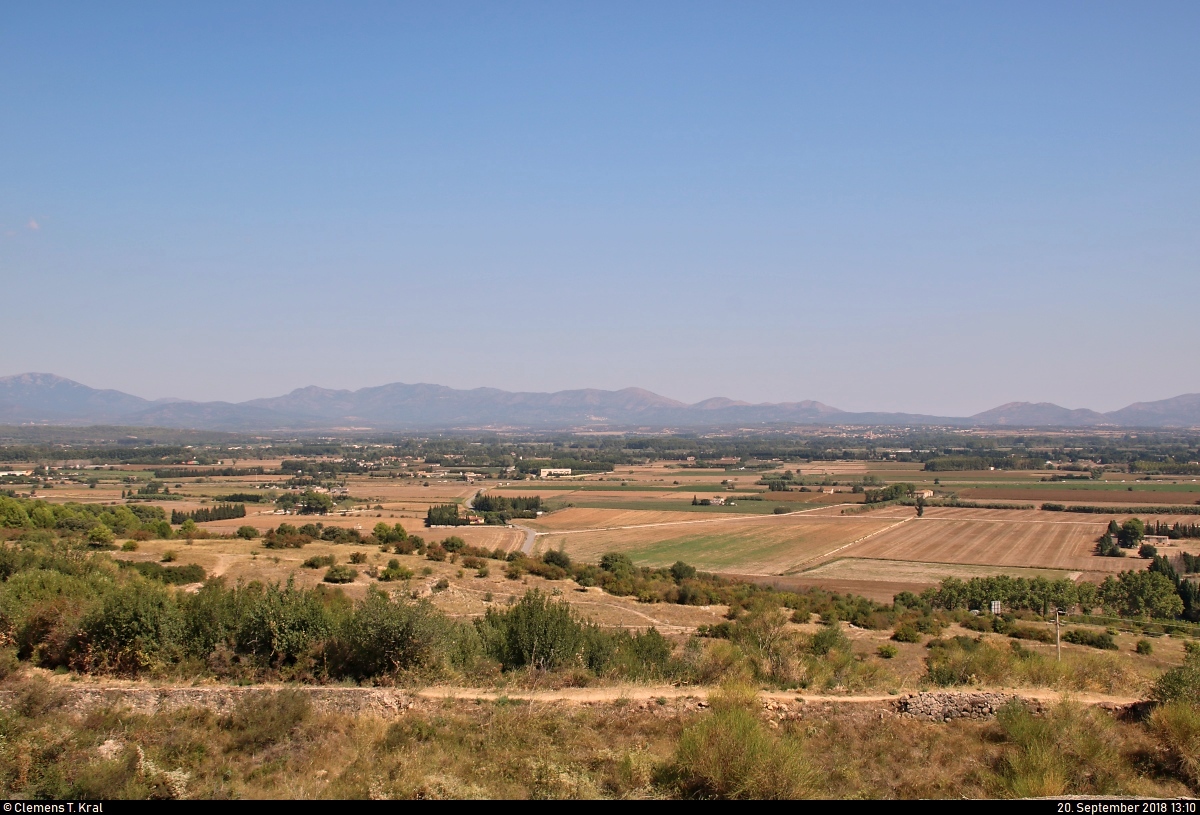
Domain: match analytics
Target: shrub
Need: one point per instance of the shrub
(906, 632)
(1144, 646)
(537, 632)
(281, 624)
(1095, 639)
(385, 636)
(730, 753)
(1029, 632)
(174, 575)
(358, 557)
(100, 536)
(168, 556)
(827, 639)
(395, 571)
(887, 651)
(129, 546)
(319, 561)
(556, 558)
(1181, 683)
(340, 574)
(137, 627)
(247, 532)
(682, 571)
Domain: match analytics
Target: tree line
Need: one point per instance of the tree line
(220, 512)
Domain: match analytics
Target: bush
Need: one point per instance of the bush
(395, 571)
(827, 639)
(1181, 683)
(281, 624)
(136, 628)
(247, 532)
(729, 753)
(386, 636)
(100, 536)
(887, 651)
(1144, 646)
(906, 632)
(319, 561)
(173, 575)
(537, 632)
(129, 546)
(340, 574)
(1094, 639)
(1029, 632)
(556, 558)
(358, 557)
(168, 556)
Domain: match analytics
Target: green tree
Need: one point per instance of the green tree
(100, 535)
(1131, 533)
(12, 514)
(1141, 594)
(315, 503)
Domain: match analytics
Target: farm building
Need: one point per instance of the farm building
(922, 493)
(553, 472)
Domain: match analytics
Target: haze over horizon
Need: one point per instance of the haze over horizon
(929, 208)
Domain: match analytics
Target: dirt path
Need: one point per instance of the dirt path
(145, 697)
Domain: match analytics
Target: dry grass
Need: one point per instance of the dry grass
(272, 747)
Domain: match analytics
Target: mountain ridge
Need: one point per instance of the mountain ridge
(36, 398)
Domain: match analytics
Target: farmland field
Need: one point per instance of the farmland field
(767, 545)
(869, 569)
(1054, 544)
(646, 511)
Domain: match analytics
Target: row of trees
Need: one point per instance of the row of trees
(893, 492)
(1157, 593)
(79, 520)
(309, 502)
(220, 512)
(498, 509)
(445, 515)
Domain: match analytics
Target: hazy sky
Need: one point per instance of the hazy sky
(931, 207)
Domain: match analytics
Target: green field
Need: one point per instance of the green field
(742, 508)
(705, 552)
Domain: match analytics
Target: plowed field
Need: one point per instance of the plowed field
(1066, 544)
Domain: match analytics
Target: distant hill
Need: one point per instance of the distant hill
(48, 399)
(1041, 414)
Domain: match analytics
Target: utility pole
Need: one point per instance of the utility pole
(1058, 633)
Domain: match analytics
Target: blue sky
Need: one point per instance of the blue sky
(932, 207)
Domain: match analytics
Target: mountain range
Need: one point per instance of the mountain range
(34, 398)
